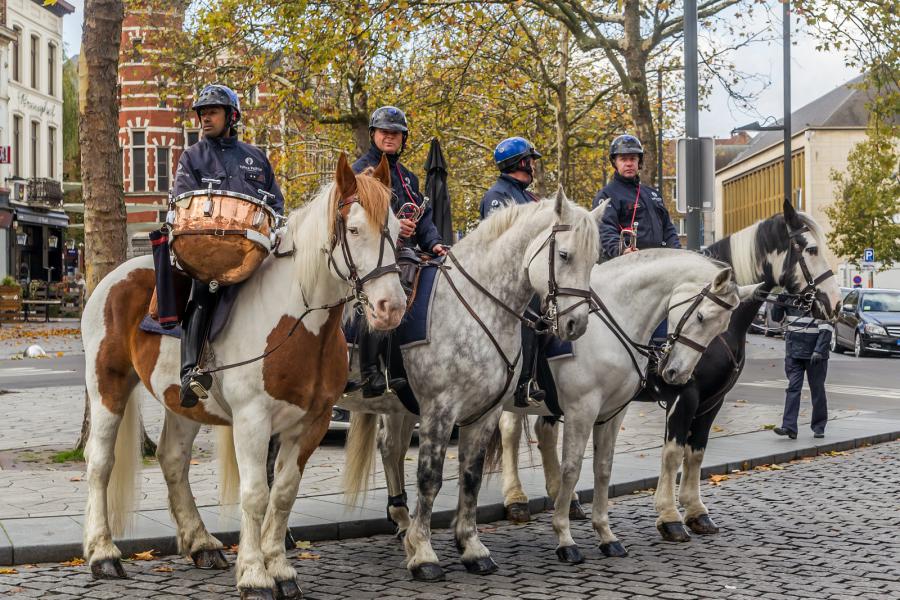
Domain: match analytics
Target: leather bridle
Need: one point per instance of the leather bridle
(805, 298)
(677, 337)
(552, 313)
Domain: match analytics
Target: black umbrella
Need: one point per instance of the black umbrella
(436, 190)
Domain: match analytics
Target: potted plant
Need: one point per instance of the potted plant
(10, 298)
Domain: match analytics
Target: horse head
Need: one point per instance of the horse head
(697, 313)
(559, 263)
(362, 252)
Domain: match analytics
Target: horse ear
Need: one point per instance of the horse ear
(790, 215)
(722, 280)
(597, 213)
(383, 172)
(561, 201)
(344, 177)
(745, 292)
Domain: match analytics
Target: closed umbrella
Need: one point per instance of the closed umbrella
(436, 190)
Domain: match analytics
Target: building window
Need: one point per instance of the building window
(35, 157)
(192, 138)
(51, 69)
(35, 41)
(162, 169)
(136, 55)
(162, 85)
(51, 152)
(17, 146)
(138, 161)
(16, 55)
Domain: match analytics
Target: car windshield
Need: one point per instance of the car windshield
(881, 302)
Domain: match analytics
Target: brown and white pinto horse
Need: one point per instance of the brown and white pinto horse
(342, 242)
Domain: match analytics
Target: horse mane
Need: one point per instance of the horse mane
(311, 227)
(745, 255)
(500, 221)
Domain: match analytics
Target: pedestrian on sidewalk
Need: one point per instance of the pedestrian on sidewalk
(806, 342)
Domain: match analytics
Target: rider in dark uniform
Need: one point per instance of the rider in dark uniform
(388, 132)
(515, 158)
(634, 208)
(238, 167)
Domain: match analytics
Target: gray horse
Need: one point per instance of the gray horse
(465, 374)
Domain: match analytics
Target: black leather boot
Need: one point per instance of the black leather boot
(527, 391)
(195, 328)
(371, 348)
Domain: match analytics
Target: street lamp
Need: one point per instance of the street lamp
(786, 122)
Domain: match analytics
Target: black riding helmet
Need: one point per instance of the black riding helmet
(626, 144)
(220, 95)
(389, 118)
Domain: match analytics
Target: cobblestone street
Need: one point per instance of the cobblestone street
(820, 528)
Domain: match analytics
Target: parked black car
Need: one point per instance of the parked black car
(868, 323)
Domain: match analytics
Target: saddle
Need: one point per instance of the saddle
(182, 284)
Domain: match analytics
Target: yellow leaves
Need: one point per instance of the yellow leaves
(717, 429)
(6, 571)
(835, 453)
(718, 479)
(303, 545)
(769, 426)
(148, 555)
(75, 562)
(308, 556)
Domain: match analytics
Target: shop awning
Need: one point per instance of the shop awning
(32, 216)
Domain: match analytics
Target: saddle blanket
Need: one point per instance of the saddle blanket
(150, 325)
(556, 348)
(416, 324)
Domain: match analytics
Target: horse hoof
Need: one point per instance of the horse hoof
(576, 512)
(570, 554)
(256, 594)
(702, 525)
(287, 590)
(518, 512)
(674, 532)
(613, 549)
(428, 572)
(108, 568)
(481, 566)
(210, 559)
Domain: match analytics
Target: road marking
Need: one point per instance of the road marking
(30, 372)
(831, 388)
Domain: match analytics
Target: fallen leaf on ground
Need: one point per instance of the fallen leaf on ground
(74, 478)
(148, 555)
(195, 462)
(717, 429)
(303, 545)
(762, 468)
(308, 556)
(777, 468)
(59, 354)
(717, 479)
(451, 456)
(769, 426)
(162, 569)
(741, 401)
(8, 572)
(75, 562)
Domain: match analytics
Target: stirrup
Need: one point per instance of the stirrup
(198, 389)
(529, 395)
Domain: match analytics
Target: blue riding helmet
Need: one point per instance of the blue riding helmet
(626, 144)
(389, 118)
(220, 95)
(510, 151)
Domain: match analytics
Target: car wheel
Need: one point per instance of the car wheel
(857, 346)
(835, 347)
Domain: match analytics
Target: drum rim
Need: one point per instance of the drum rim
(238, 195)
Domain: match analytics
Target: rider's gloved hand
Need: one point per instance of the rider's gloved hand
(816, 358)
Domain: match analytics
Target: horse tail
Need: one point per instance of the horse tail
(360, 452)
(124, 480)
(493, 452)
(229, 476)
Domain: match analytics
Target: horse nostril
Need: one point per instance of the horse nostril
(570, 327)
(382, 307)
(670, 373)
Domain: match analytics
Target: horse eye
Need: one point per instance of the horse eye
(353, 230)
(564, 255)
(700, 317)
(813, 250)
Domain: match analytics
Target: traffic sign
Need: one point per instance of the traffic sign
(706, 171)
(857, 280)
(869, 255)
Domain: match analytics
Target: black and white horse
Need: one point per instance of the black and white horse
(782, 251)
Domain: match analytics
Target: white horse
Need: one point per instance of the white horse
(781, 251)
(465, 373)
(289, 311)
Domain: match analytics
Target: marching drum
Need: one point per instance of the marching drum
(221, 236)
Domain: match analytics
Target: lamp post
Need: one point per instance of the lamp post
(786, 121)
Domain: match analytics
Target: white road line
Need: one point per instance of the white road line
(30, 372)
(831, 388)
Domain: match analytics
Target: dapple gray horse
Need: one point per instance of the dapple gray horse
(467, 371)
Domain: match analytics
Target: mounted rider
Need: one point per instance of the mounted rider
(635, 217)
(388, 133)
(515, 159)
(236, 167)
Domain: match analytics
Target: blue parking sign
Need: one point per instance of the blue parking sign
(869, 255)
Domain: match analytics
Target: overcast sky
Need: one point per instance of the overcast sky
(813, 74)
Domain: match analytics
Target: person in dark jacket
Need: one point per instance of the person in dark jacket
(388, 132)
(635, 217)
(234, 166)
(807, 341)
(515, 158)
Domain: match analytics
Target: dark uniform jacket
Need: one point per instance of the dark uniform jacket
(652, 221)
(505, 190)
(405, 188)
(803, 334)
(240, 167)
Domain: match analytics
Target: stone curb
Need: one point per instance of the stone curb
(54, 539)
